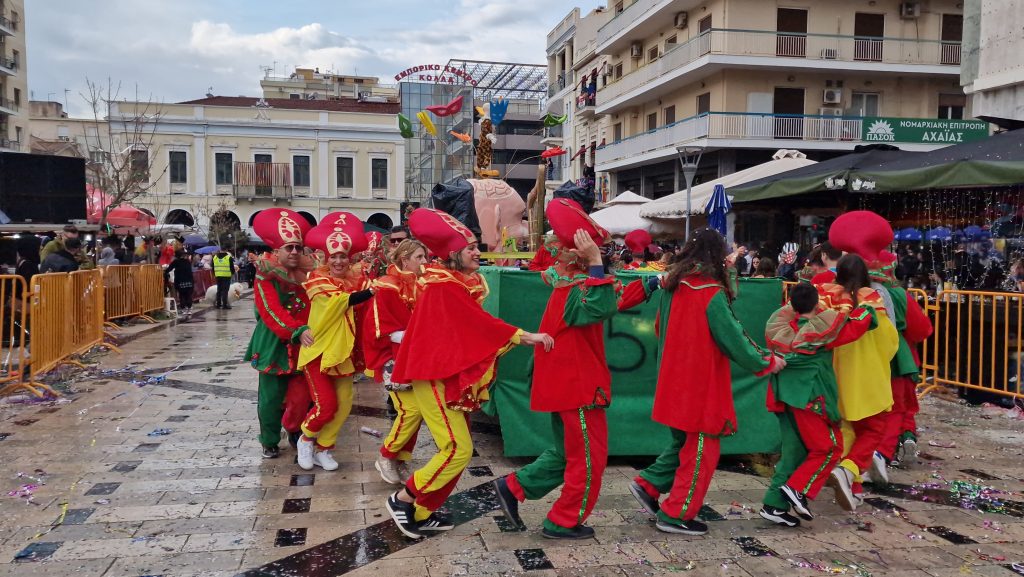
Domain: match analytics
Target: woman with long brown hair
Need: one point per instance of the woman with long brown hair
(694, 393)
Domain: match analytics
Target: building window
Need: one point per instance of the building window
(619, 7)
(223, 163)
(670, 43)
(951, 106)
(618, 71)
(92, 132)
(17, 97)
(670, 114)
(346, 168)
(704, 103)
(379, 173)
(17, 134)
(139, 165)
(652, 121)
(97, 156)
(178, 167)
(617, 132)
(63, 133)
(652, 54)
(300, 171)
(864, 104)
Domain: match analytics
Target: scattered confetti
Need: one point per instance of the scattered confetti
(371, 432)
(942, 445)
(159, 432)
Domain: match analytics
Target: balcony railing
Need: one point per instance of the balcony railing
(557, 85)
(733, 126)
(633, 14)
(8, 63)
(784, 45)
(262, 180)
(7, 26)
(8, 104)
(10, 144)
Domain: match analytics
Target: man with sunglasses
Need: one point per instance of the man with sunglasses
(398, 234)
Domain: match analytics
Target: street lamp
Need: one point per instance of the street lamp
(689, 158)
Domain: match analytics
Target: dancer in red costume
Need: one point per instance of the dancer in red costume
(449, 354)
(694, 392)
(572, 381)
(382, 333)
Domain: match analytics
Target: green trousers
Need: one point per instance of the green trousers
(270, 407)
(793, 453)
(662, 472)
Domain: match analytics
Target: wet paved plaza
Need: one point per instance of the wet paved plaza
(154, 469)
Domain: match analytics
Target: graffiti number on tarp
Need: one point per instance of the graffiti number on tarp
(629, 353)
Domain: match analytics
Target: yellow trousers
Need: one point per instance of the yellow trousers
(435, 481)
(332, 404)
(400, 442)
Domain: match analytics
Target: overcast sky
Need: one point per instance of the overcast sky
(176, 50)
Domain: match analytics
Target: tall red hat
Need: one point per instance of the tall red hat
(637, 240)
(566, 217)
(439, 231)
(863, 233)
(374, 240)
(280, 226)
(338, 232)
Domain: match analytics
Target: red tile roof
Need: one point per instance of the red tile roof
(342, 105)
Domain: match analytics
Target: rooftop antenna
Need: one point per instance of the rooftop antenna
(266, 70)
(209, 92)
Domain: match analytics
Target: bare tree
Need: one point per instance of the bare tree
(121, 146)
(224, 228)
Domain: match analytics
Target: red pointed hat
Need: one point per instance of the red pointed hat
(374, 240)
(637, 240)
(280, 226)
(338, 232)
(863, 233)
(440, 231)
(566, 217)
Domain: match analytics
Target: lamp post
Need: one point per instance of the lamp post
(689, 158)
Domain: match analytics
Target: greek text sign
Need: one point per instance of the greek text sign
(922, 130)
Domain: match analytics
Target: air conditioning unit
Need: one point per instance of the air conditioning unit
(831, 96)
(910, 10)
(682, 19)
(636, 50)
(363, 95)
(64, 138)
(829, 53)
(830, 111)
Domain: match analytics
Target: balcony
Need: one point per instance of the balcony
(8, 144)
(7, 26)
(552, 135)
(639, 20)
(557, 85)
(271, 180)
(771, 50)
(739, 130)
(8, 106)
(585, 104)
(8, 66)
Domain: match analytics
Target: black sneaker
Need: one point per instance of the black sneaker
(404, 516)
(691, 527)
(508, 502)
(779, 516)
(799, 502)
(271, 451)
(436, 523)
(649, 503)
(293, 439)
(577, 532)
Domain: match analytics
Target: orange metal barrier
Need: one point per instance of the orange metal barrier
(977, 342)
(132, 291)
(49, 321)
(14, 297)
(149, 289)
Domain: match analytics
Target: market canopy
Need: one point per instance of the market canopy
(832, 174)
(621, 215)
(995, 161)
(674, 205)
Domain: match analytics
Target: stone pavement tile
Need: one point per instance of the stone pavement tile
(582, 555)
(716, 568)
(215, 496)
(235, 509)
(510, 541)
(164, 464)
(168, 485)
(117, 499)
(681, 548)
(789, 566)
(628, 534)
(976, 570)
(222, 541)
(76, 567)
(303, 492)
(146, 513)
(224, 472)
(450, 545)
(200, 525)
(177, 564)
(335, 518)
(343, 503)
(389, 567)
(883, 560)
(479, 563)
(131, 547)
(78, 532)
(605, 571)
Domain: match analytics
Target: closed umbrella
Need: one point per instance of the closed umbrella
(908, 234)
(716, 209)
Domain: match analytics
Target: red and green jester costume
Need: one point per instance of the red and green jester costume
(282, 310)
(694, 392)
(571, 381)
(805, 396)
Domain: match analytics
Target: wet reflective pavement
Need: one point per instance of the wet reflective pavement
(152, 468)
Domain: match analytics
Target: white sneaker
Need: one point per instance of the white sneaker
(909, 452)
(304, 448)
(879, 471)
(388, 470)
(841, 482)
(404, 471)
(325, 461)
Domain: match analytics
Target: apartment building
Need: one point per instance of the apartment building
(744, 78)
(14, 117)
(992, 72)
(245, 154)
(311, 84)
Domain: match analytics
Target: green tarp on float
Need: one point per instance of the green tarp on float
(519, 297)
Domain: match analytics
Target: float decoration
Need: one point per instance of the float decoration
(427, 123)
(498, 109)
(405, 126)
(442, 110)
(550, 120)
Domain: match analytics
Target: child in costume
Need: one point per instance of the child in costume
(282, 310)
(334, 290)
(571, 381)
(448, 353)
(805, 398)
(382, 332)
(694, 391)
(862, 372)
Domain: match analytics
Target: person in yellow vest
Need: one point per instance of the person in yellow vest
(223, 268)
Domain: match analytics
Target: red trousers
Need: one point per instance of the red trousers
(868, 435)
(901, 418)
(824, 443)
(697, 461)
(296, 403)
(576, 462)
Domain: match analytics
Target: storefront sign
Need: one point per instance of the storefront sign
(922, 130)
(435, 73)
